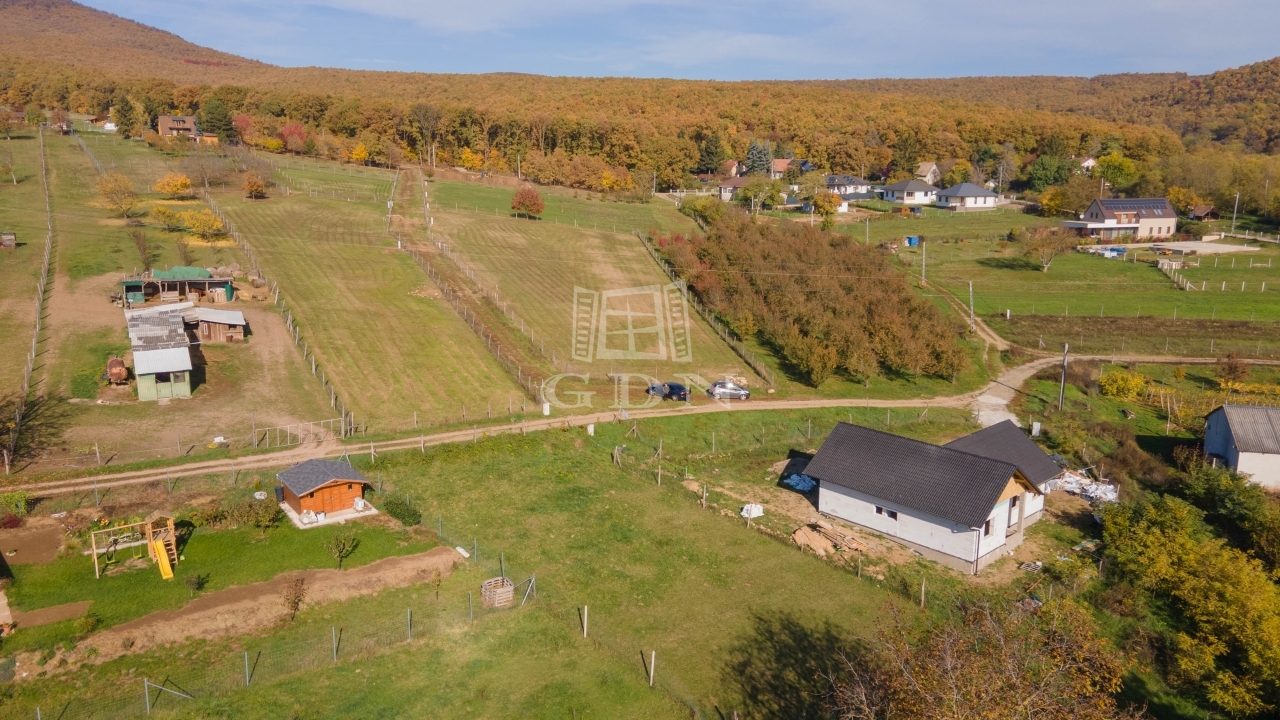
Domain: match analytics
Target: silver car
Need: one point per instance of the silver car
(725, 390)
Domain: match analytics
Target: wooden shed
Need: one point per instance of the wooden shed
(221, 325)
(322, 486)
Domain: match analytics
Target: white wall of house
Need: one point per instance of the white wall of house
(992, 539)
(912, 526)
(1035, 503)
(1262, 468)
(1217, 437)
(911, 198)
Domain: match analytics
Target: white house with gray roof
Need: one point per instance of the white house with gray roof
(967, 197)
(1247, 439)
(963, 505)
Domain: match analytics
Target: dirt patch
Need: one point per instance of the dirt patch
(31, 545)
(45, 616)
(249, 608)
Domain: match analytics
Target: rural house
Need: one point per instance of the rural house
(161, 351)
(1247, 439)
(322, 486)
(847, 185)
(957, 507)
(1140, 218)
(911, 192)
(729, 188)
(220, 325)
(967, 197)
(928, 172)
(176, 126)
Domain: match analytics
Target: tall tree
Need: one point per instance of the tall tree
(427, 117)
(216, 119)
(759, 158)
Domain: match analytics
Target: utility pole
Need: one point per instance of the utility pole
(868, 241)
(1234, 213)
(1062, 386)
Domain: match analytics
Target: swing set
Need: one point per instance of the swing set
(156, 533)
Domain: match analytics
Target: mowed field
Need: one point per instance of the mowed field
(936, 224)
(1099, 305)
(739, 621)
(22, 212)
(388, 348)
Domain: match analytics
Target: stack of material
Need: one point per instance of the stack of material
(1094, 492)
(823, 538)
(751, 510)
(802, 483)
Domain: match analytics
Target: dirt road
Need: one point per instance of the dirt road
(989, 405)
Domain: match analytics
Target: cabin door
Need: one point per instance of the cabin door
(164, 385)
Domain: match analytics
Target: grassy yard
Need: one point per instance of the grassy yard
(389, 349)
(728, 609)
(21, 212)
(936, 224)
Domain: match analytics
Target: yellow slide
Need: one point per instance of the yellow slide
(162, 557)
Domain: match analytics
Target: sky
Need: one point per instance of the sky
(738, 40)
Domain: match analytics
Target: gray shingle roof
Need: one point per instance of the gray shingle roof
(911, 186)
(939, 481)
(311, 474)
(1006, 441)
(966, 189)
(1254, 429)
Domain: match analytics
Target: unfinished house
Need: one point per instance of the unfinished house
(964, 509)
(161, 351)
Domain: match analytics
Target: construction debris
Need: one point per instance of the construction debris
(823, 537)
(1086, 546)
(1075, 483)
(1032, 567)
(751, 510)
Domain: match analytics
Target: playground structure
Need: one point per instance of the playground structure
(156, 533)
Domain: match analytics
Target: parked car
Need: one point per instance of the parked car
(670, 391)
(725, 390)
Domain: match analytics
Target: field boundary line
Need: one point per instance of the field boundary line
(10, 455)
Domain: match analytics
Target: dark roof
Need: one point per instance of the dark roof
(966, 189)
(911, 186)
(1006, 441)
(845, 180)
(1254, 429)
(311, 474)
(939, 481)
(1203, 211)
(1143, 207)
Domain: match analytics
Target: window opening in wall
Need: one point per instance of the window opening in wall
(986, 528)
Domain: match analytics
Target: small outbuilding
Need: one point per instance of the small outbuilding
(220, 326)
(1246, 438)
(1204, 212)
(164, 373)
(322, 486)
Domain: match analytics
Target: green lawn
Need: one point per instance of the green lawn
(388, 352)
(936, 224)
(21, 212)
(724, 606)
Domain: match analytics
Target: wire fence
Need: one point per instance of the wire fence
(306, 648)
(10, 453)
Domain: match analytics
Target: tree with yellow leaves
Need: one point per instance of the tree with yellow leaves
(827, 204)
(167, 218)
(471, 160)
(203, 223)
(174, 185)
(1183, 200)
(360, 154)
(117, 192)
(254, 187)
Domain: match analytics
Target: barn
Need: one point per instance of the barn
(220, 326)
(321, 486)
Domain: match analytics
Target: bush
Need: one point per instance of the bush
(400, 509)
(9, 521)
(15, 502)
(1123, 384)
(86, 624)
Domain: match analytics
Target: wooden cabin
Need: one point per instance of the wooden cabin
(322, 486)
(220, 326)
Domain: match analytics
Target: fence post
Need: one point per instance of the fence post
(246, 668)
(409, 622)
(333, 630)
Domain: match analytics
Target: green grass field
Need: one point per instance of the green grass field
(21, 212)
(388, 352)
(725, 607)
(936, 224)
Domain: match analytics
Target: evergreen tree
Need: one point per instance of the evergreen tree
(759, 158)
(126, 117)
(215, 119)
(711, 153)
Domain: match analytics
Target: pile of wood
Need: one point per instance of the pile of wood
(823, 538)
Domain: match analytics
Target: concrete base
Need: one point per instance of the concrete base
(970, 567)
(334, 518)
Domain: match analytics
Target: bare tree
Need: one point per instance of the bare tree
(205, 168)
(341, 546)
(142, 244)
(1045, 248)
(293, 595)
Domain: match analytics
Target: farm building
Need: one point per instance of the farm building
(178, 283)
(322, 486)
(161, 351)
(962, 505)
(176, 126)
(1204, 212)
(220, 325)
(1247, 439)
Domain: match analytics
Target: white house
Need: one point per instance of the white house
(1087, 165)
(928, 172)
(1140, 218)
(911, 192)
(962, 505)
(1247, 439)
(847, 185)
(729, 187)
(967, 196)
